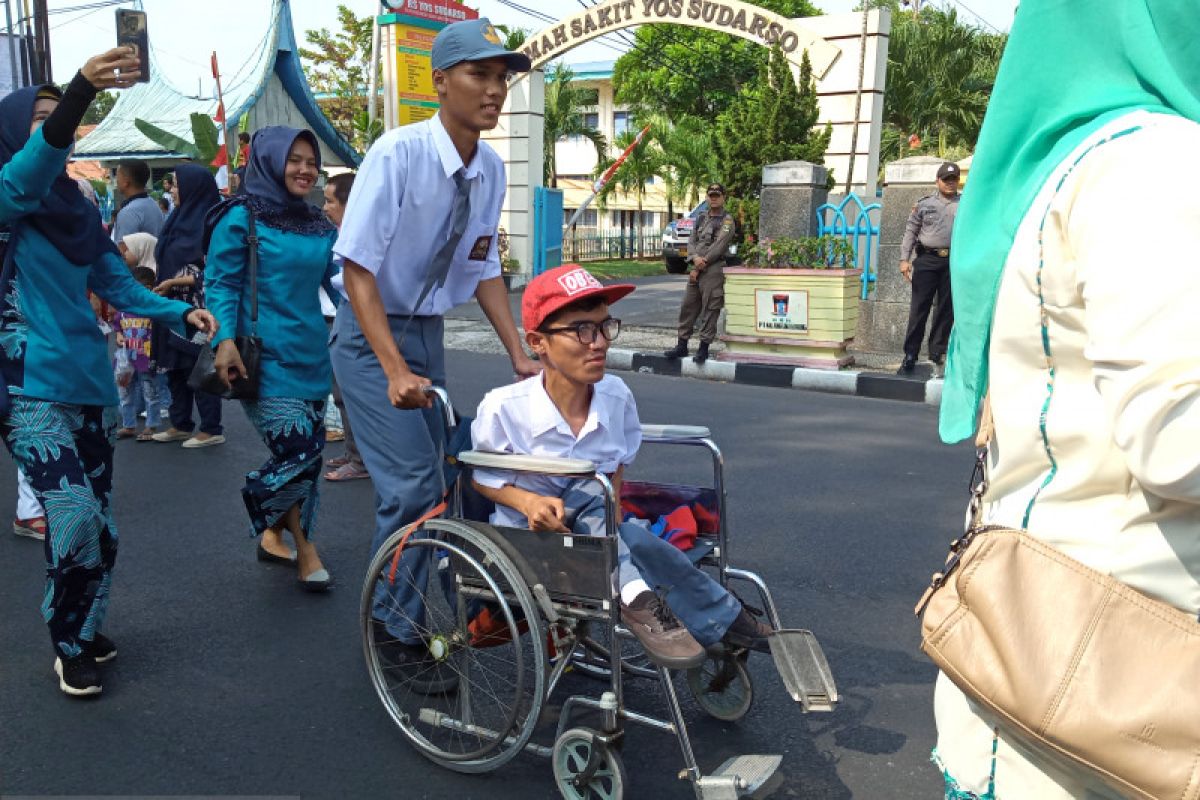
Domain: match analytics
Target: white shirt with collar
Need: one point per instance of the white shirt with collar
(399, 215)
(521, 418)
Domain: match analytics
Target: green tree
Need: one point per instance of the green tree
(771, 121)
(565, 101)
(99, 108)
(690, 71)
(941, 71)
(337, 65)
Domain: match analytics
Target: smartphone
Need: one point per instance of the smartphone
(131, 30)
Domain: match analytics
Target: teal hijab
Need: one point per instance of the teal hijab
(1070, 67)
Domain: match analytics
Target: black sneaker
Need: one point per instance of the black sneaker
(748, 633)
(102, 648)
(78, 676)
(665, 640)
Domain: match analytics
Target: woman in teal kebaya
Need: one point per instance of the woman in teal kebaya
(295, 243)
(58, 401)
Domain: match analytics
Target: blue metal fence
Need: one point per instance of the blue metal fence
(547, 229)
(862, 234)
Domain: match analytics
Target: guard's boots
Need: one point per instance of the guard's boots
(678, 351)
(701, 354)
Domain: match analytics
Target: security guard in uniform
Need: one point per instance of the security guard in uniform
(928, 233)
(704, 297)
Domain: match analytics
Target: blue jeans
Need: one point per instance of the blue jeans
(142, 394)
(705, 608)
(400, 448)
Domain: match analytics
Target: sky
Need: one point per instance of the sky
(183, 32)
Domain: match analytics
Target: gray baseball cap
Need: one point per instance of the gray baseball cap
(473, 40)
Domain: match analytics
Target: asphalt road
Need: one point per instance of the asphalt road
(230, 680)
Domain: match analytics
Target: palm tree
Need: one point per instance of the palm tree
(564, 117)
(643, 164)
(688, 158)
(940, 77)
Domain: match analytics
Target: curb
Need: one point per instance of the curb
(863, 384)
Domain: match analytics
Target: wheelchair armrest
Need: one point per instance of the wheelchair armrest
(561, 467)
(674, 433)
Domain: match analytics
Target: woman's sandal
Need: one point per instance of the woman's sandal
(126, 433)
(347, 472)
(147, 435)
(316, 581)
(268, 557)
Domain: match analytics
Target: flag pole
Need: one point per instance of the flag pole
(221, 108)
(605, 178)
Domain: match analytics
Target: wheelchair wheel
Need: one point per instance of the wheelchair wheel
(571, 757)
(467, 699)
(722, 686)
(592, 659)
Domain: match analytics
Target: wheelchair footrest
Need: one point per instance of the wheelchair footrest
(805, 672)
(742, 776)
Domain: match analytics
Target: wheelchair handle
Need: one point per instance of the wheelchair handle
(443, 398)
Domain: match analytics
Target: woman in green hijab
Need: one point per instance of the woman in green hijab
(1076, 298)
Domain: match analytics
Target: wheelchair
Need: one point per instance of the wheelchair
(472, 700)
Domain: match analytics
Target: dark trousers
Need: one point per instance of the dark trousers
(182, 397)
(702, 302)
(352, 455)
(931, 277)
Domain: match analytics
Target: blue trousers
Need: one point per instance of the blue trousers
(142, 394)
(705, 608)
(400, 448)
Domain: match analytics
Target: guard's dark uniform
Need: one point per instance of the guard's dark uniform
(704, 299)
(927, 235)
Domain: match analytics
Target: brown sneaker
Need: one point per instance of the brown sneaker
(748, 633)
(665, 640)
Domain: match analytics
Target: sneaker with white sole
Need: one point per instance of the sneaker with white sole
(196, 441)
(78, 676)
(34, 528)
(101, 648)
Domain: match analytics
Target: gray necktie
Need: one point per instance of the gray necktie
(439, 266)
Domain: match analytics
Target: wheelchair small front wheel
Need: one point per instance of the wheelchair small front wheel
(722, 686)
(585, 768)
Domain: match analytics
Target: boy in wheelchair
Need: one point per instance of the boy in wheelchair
(574, 410)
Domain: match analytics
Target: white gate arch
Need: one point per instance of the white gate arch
(839, 46)
(736, 18)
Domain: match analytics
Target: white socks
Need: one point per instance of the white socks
(632, 589)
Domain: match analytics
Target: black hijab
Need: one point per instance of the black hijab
(181, 241)
(265, 192)
(65, 217)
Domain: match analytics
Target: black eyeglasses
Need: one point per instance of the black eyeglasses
(587, 331)
(715, 194)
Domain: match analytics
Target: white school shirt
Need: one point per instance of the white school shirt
(399, 215)
(521, 418)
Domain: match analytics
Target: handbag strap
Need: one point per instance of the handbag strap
(252, 263)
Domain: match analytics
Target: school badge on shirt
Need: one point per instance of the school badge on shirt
(480, 249)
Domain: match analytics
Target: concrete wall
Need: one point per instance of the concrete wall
(792, 193)
(883, 318)
(518, 140)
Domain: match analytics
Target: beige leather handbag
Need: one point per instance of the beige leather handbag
(1077, 663)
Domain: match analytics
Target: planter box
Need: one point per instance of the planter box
(801, 317)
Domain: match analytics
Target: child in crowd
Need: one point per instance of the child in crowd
(136, 371)
(574, 410)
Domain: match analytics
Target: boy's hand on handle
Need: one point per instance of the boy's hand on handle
(118, 68)
(228, 361)
(546, 514)
(407, 390)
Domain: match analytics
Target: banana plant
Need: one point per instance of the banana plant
(204, 147)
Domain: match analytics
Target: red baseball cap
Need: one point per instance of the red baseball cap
(560, 287)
